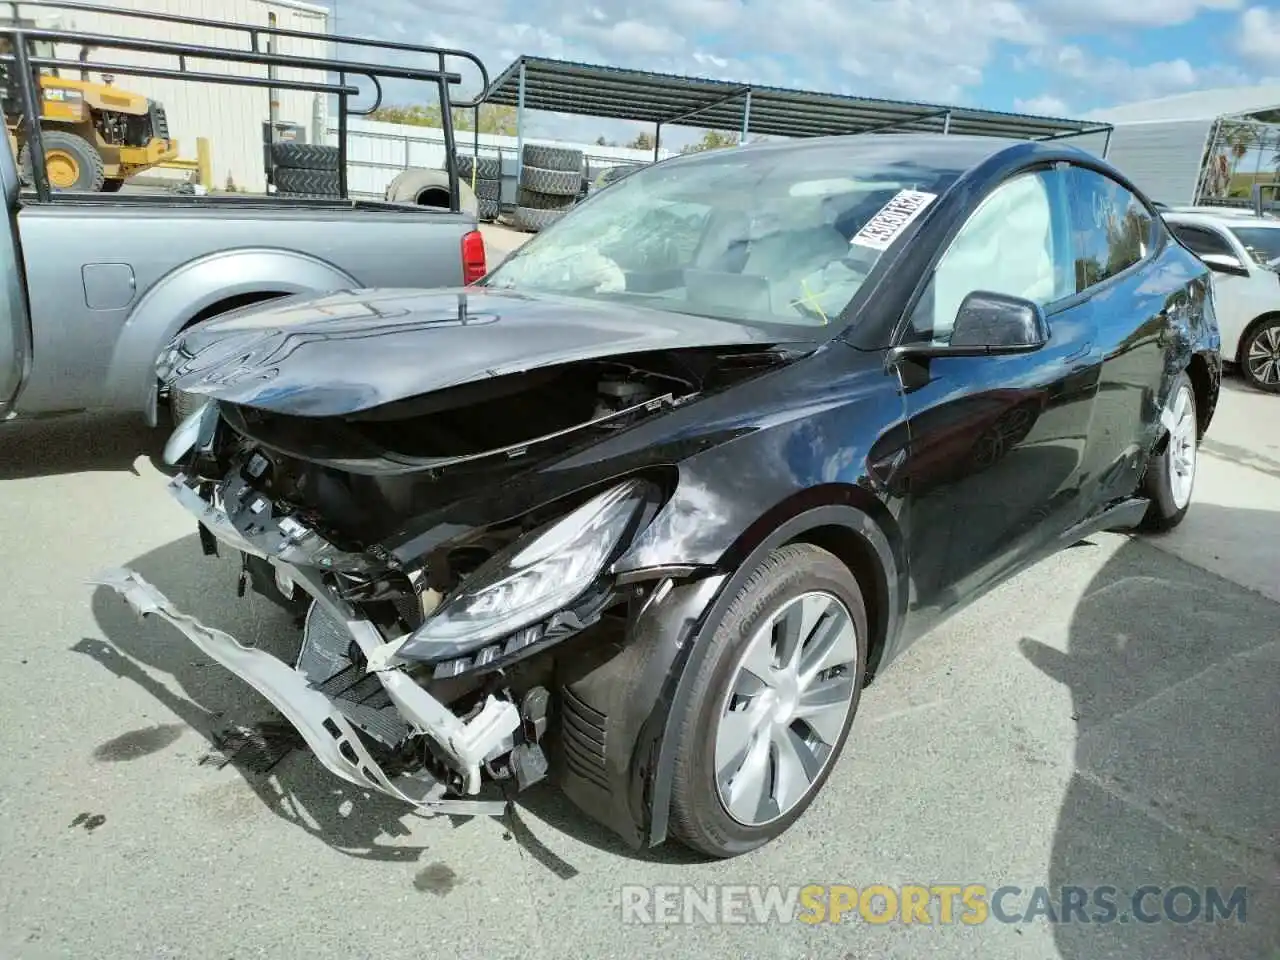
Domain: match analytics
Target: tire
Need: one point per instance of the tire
(700, 815)
(552, 183)
(430, 188)
(534, 221)
(1259, 357)
(77, 156)
(316, 183)
(1169, 479)
(551, 158)
(486, 168)
(489, 210)
(541, 201)
(304, 156)
(485, 189)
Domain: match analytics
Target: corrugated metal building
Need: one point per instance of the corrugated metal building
(1164, 144)
(231, 117)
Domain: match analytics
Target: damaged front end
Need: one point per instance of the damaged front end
(421, 678)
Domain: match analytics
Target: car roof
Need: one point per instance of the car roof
(953, 151)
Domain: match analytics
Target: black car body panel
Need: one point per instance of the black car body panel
(934, 477)
(352, 351)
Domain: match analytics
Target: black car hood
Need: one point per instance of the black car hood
(351, 351)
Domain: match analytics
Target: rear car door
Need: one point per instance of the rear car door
(996, 442)
(1134, 295)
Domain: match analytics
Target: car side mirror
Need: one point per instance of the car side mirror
(1225, 263)
(988, 324)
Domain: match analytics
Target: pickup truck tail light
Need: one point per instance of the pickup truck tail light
(473, 263)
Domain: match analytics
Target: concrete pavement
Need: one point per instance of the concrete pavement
(1108, 718)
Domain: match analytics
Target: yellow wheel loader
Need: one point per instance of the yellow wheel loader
(95, 135)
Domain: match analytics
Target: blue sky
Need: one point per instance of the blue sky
(1040, 56)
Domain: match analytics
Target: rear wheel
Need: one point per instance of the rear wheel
(1171, 473)
(1260, 354)
(772, 703)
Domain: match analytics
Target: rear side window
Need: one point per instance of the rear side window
(1111, 228)
(1201, 240)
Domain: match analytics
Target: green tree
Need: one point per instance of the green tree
(494, 118)
(1239, 139)
(642, 142)
(711, 140)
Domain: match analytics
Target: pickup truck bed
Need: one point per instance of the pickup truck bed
(109, 280)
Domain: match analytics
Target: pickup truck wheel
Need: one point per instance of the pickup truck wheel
(1260, 354)
(771, 704)
(70, 162)
(1171, 474)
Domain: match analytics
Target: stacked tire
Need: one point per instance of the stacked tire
(550, 183)
(484, 175)
(305, 170)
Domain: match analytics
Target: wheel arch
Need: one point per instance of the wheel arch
(633, 695)
(1205, 384)
(199, 289)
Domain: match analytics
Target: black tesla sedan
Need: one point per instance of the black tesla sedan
(643, 510)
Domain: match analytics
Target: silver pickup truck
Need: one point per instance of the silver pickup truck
(98, 284)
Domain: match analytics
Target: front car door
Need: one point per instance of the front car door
(995, 443)
(1134, 297)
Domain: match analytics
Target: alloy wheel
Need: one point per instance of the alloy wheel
(1263, 356)
(1182, 448)
(788, 700)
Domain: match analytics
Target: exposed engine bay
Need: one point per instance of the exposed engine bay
(434, 636)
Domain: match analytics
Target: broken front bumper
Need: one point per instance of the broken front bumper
(320, 721)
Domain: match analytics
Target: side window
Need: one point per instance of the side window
(1200, 240)
(1111, 229)
(1015, 243)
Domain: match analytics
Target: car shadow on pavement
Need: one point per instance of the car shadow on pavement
(213, 702)
(1173, 674)
(78, 443)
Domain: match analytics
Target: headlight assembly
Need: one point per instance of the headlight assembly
(538, 575)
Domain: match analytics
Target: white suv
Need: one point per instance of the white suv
(1243, 251)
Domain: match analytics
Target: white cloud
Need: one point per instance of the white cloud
(1112, 80)
(1259, 38)
(930, 50)
(1042, 106)
(1092, 15)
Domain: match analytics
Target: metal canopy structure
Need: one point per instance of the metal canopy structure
(562, 86)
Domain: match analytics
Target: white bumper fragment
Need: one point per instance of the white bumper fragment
(326, 731)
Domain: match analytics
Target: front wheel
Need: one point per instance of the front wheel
(772, 703)
(1171, 474)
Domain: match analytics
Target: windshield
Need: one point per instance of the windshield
(1263, 243)
(770, 236)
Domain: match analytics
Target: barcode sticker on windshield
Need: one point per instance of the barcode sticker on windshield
(894, 217)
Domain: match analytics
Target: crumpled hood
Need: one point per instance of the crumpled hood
(351, 351)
